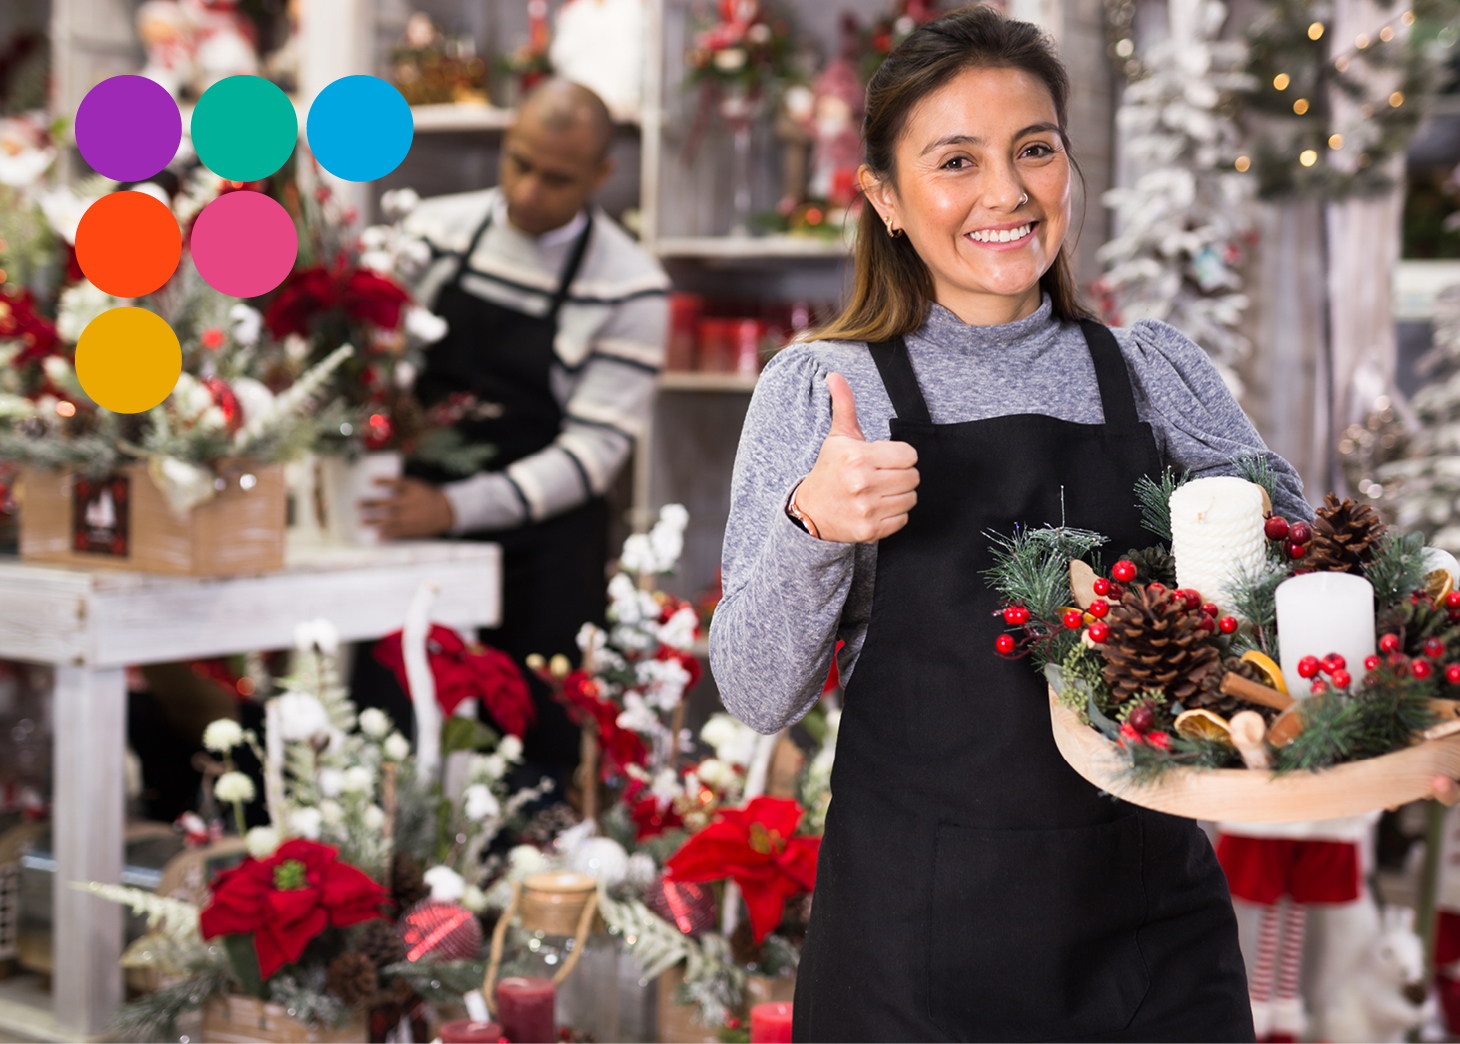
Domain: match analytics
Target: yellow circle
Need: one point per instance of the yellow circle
(1300, 106)
(1242, 164)
(128, 360)
(1335, 141)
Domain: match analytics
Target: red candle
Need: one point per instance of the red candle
(525, 1008)
(770, 1023)
(468, 1031)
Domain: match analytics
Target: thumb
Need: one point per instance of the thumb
(843, 408)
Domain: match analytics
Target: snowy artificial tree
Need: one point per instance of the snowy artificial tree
(1180, 226)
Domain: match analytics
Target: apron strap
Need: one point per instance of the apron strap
(570, 269)
(471, 248)
(1116, 397)
(896, 369)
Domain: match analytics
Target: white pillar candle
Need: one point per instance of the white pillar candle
(1322, 613)
(1216, 534)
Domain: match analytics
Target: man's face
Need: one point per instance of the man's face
(548, 174)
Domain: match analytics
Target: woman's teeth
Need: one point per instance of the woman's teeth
(1007, 235)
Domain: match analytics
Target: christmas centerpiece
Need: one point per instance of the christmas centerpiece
(1243, 667)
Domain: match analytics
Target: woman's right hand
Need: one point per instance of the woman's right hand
(859, 491)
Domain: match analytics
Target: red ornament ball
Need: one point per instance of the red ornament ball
(1452, 600)
(1073, 618)
(1299, 533)
(1098, 608)
(1308, 667)
(1227, 624)
(1142, 719)
(1342, 678)
(441, 931)
(1210, 608)
(1389, 643)
(1124, 570)
(1371, 663)
(1421, 669)
(1005, 643)
(1101, 586)
(1452, 674)
(1434, 648)
(1276, 527)
(1296, 550)
(1333, 662)
(687, 905)
(1099, 632)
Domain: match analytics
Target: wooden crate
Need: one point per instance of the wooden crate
(680, 1024)
(234, 1018)
(240, 531)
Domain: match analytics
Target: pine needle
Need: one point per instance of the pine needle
(1154, 498)
(1032, 567)
(1397, 568)
(1257, 468)
(1253, 595)
(1381, 717)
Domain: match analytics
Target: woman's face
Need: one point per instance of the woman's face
(969, 155)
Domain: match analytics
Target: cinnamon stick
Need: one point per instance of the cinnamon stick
(1233, 684)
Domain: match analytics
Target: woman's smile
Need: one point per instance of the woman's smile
(1005, 236)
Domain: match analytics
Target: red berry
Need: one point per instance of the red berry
(1420, 669)
(1452, 600)
(1453, 614)
(1159, 740)
(1098, 608)
(1296, 550)
(1099, 632)
(1319, 686)
(1128, 734)
(1193, 599)
(1342, 678)
(1142, 718)
(1156, 587)
(1333, 662)
(1116, 593)
(1101, 586)
(1227, 624)
(1005, 643)
(1210, 608)
(1300, 533)
(1371, 663)
(1207, 624)
(1452, 674)
(1434, 648)
(1276, 527)
(1389, 643)
(1124, 570)
(1073, 618)
(1016, 615)
(1308, 666)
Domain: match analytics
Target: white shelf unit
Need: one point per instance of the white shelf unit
(471, 116)
(702, 381)
(739, 248)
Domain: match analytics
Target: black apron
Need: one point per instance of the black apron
(971, 886)
(553, 570)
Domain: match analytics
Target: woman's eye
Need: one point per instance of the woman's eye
(957, 163)
(1039, 151)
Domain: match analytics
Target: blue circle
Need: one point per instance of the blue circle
(359, 128)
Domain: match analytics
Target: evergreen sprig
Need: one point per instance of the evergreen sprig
(153, 1016)
(1147, 764)
(1032, 567)
(1257, 469)
(1397, 568)
(1253, 594)
(1378, 718)
(1154, 498)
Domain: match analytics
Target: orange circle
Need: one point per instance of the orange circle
(128, 244)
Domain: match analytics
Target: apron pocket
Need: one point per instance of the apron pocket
(1033, 932)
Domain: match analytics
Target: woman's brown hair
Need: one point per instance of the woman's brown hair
(891, 286)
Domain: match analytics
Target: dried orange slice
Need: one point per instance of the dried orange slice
(1265, 663)
(1202, 724)
(1438, 584)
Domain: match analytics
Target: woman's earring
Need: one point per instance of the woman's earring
(893, 232)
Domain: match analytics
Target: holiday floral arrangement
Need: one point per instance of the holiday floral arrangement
(876, 41)
(1239, 639)
(361, 892)
(747, 49)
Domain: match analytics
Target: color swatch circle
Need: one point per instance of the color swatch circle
(244, 128)
(128, 244)
(359, 128)
(128, 128)
(244, 244)
(128, 360)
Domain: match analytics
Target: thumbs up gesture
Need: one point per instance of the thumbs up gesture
(859, 491)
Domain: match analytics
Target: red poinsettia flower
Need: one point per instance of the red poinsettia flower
(650, 819)
(619, 747)
(754, 846)
(363, 295)
(287, 899)
(466, 671)
(19, 321)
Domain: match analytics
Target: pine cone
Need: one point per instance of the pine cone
(1154, 565)
(407, 880)
(1155, 643)
(1417, 618)
(381, 943)
(351, 977)
(1344, 537)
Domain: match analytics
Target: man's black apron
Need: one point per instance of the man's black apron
(971, 886)
(553, 580)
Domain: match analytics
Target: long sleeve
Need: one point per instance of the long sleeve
(774, 632)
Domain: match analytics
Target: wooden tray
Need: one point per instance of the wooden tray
(1246, 796)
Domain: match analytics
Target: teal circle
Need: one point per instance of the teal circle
(244, 128)
(359, 128)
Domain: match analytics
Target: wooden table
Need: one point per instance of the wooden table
(91, 623)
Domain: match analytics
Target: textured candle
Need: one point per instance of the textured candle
(770, 1023)
(1216, 534)
(1322, 613)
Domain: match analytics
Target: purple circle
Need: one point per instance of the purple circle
(244, 244)
(128, 128)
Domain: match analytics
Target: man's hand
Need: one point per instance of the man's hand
(859, 491)
(414, 510)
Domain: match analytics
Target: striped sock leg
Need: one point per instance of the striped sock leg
(1290, 960)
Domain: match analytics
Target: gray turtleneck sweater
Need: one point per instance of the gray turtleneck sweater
(789, 598)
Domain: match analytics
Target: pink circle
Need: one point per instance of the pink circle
(244, 244)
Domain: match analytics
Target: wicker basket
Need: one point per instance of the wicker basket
(235, 1018)
(1248, 796)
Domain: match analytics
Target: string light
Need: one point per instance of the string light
(1387, 33)
(1242, 164)
(1335, 141)
(1315, 30)
(1125, 48)
(1300, 106)
(1281, 81)
(1341, 63)
(1361, 41)
(1308, 157)
(1396, 99)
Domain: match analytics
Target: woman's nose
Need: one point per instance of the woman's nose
(1003, 189)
